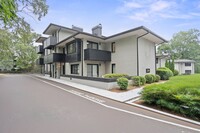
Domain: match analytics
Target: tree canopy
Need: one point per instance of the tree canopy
(11, 11)
(16, 35)
(184, 45)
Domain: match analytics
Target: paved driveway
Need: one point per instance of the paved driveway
(28, 105)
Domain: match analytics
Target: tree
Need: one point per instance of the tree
(16, 35)
(184, 45)
(11, 10)
(8, 10)
(167, 63)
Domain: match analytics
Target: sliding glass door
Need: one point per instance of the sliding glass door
(92, 70)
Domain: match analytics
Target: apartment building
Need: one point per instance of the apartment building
(70, 51)
(184, 66)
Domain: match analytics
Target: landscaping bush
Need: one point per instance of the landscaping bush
(181, 94)
(115, 75)
(142, 80)
(123, 83)
(157, 78)
(150, 78)
(176, 72)
(138, 80)
(164, 73)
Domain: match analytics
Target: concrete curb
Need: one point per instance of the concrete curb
(163, 113)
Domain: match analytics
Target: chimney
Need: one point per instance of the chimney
(97, 30)
(77, 28)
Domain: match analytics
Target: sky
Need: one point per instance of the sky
(163, 17)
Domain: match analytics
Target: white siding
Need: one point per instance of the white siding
(63, 35)
(181, 67)
(125, 56)
(146, 56)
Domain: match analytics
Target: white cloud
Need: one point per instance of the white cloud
(157, 9)
(132, 4)
(160, 5)
(143, 16)
(175, 16)
(195, 14)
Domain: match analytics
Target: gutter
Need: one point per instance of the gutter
(138, 51)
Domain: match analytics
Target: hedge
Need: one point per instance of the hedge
(164, 73)
(123, 83)
(181, 94)
(115, 75)
(150, 78)
(138, 80)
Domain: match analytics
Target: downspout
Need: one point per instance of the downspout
(82, 57)
(57, 42)
(138, 51)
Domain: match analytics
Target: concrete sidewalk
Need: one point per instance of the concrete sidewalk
(122, 97)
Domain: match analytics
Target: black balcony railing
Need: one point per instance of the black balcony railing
(50, 42)
(73, 57)
(54, 57)
(40, 61)
(97, 55)
(40, 49)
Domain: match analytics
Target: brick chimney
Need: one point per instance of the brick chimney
(97, 30)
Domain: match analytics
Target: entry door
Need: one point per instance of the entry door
(92, 70)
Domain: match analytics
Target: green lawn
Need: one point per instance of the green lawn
(181, 94)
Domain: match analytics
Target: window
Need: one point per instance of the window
(113, 68)
(92, 70)
(187, 64)
(71, 48)
(74, 69)
(188, 71)
(92, 45)
(113, 47)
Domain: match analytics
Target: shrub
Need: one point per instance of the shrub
(164, 73)
(157, 78)
(180, 94)
(176, 72)
(138, 80)
(123, 83)
(115, 75)
(142, 80)
(149, 78)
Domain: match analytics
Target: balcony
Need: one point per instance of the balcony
(97, 55)
(40, 61)
(50, 42)
(39, 49)
(73, 57)
(54, 57)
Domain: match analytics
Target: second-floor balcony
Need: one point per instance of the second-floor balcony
(40, 61)
(73, 57)
(50, 42)
(54, 57)
(40, 49)
(97, 55)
